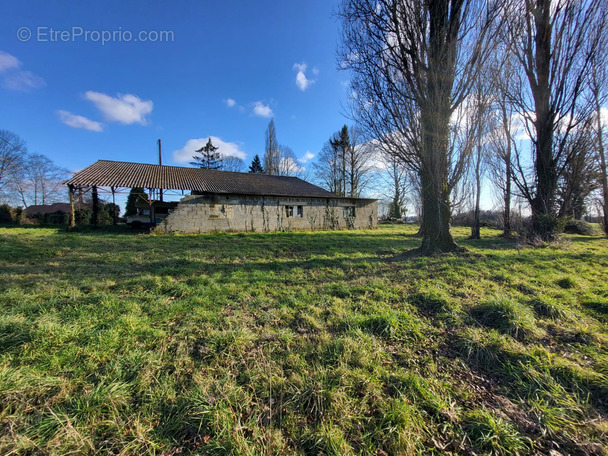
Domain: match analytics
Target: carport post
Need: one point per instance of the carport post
(95, 198)
(113, 206)
(72, 211)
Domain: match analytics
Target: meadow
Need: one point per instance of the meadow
(312, 343)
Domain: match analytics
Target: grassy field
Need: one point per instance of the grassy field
(326, 343)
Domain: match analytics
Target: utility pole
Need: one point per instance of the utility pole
(160, 163)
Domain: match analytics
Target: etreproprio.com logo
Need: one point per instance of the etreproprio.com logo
(45, 34)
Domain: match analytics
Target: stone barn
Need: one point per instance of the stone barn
(229, 201)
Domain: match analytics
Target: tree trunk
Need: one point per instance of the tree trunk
(436, 236)
(436, 211)
(507, 215)
(343, 169)
(396, 212)
(603, 171)
(420, 218)
(506, 230)
(476, 229)
(542, 205)
(543, 216)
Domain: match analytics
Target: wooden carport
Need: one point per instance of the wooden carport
(119, 177)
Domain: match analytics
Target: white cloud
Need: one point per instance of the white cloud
(300, 67)
(8, 61)
(23, 80)
(126, 109)
(76, 121)
(14, 77)
(307, 157)
(302, 81)
(518, 124)
(262, 110)
(230, 102)
(604, 116)
(226, 149)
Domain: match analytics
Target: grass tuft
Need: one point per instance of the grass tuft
(567, 283)
(547, 307)
(507, 316)
(432, 302)
(494, 435)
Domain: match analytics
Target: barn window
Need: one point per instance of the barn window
(294, 211)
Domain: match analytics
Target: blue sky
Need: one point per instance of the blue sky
(222, 70)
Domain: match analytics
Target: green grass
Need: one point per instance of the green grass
(113, 342)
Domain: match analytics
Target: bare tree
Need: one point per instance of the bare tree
(481, 125)
(397, 184)
(231, 163)
(478, 165)
(502, 137)
(359, 163)
(272, 159)
(344, 165)
(327, 169)
(38, 181)
(413, 64)
(581, 174)
(599, 92)
(12, 155)
(288, 163)
(554, 43)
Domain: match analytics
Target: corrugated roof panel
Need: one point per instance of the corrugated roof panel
(105, 173)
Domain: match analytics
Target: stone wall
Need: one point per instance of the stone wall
(212, 213)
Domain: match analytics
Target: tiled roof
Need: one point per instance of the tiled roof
(47, 209)
(105, 173)
(32, 210)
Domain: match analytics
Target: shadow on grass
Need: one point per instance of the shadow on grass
(121, 228)
(581, 239)
(119, 253)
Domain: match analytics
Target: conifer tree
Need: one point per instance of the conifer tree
(256, 165)
(208, 158)
(136, 194)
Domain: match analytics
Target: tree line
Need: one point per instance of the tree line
(279, 160)
(449, 87)
(28, 179)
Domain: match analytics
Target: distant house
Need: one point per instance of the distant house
(44, 209)
(56, 213)
(229, 201)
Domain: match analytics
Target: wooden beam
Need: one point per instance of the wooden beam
(72, 211)
(151, 195)
(95, 198)
(113, 207)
